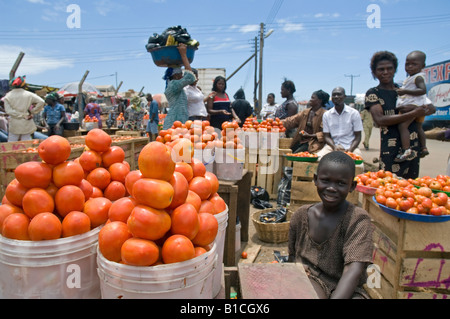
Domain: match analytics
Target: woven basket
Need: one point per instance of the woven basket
(272, 232)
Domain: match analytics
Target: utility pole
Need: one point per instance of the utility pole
(255, 99)
(351, 76)
(262, 36)
(261, 45)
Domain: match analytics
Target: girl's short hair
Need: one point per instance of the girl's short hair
(383, 56)
(338, 157)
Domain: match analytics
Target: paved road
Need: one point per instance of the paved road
(434, 164)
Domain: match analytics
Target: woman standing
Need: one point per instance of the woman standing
(20, 105)
(93, 110)
(196, 100)
(174, 92)
(289, 106)
(309, 135)
(219, 104)
(381, 102)
(134, 114)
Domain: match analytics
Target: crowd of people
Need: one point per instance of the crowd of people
(332, 238)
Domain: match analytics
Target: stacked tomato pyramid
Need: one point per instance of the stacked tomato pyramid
(56, 198)
(168, 216)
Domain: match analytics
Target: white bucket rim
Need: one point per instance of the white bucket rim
(193, 264)
(70, 241)
(181, 278)
(202, 281)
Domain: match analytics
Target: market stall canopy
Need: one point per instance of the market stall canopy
(71, 89)
(106, 90)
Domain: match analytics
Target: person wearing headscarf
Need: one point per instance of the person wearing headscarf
(241, 106)
(134, 114)
(54, 115)
(93, 110)
(308, 124)
(20, 105)
(176, 80)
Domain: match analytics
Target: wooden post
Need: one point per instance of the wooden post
(118, 88)
(80, 97)
(12, 73)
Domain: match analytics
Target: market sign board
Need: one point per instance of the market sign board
(437, 78)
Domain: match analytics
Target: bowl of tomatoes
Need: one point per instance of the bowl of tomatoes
(302, 157)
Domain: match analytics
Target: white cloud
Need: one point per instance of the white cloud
(33, 62)
(247, 28)
(292, 27)
(38, 1)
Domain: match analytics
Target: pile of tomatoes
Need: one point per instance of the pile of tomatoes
(169, 215)
(162, 212)
(87, 118)
(58, 197)
(413, 196)
(203, 135)
(354, 156)
(251, 124)
(302, 154)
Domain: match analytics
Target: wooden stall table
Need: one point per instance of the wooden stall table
(129, 133)
(111, 130)
(275, 281)
(234, 192)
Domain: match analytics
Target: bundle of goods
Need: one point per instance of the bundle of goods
(163, 47)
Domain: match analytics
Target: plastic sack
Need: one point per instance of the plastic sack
(172, 35)
(284, 187)
(258, 192)
(276, 216)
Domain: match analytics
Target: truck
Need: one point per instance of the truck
(437, 79)
(206, 78)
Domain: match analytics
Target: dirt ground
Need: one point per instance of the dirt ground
(259, 251)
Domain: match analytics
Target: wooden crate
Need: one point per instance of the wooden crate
(10, 160)
(20, 145)
(303, 190)
(132, 148)
(285, 143)
(128, 133)
(270, 169)
(413, 257)
(251, 161)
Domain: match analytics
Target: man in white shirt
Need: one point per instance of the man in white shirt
(342, 126)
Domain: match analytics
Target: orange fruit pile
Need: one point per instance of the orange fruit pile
(50, 199)
(202, 134)
(251, 124)
(169, 215)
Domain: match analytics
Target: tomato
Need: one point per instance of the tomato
(391, 203)
(405, 204)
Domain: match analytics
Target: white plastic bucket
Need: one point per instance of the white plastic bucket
(229, 164)
(64, 268)
(189, 279)
(222, 219)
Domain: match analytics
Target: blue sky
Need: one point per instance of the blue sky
(316, 44)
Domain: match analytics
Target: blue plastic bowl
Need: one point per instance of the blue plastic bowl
(168, 56)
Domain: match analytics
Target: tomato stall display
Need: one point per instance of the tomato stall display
(413, 196)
